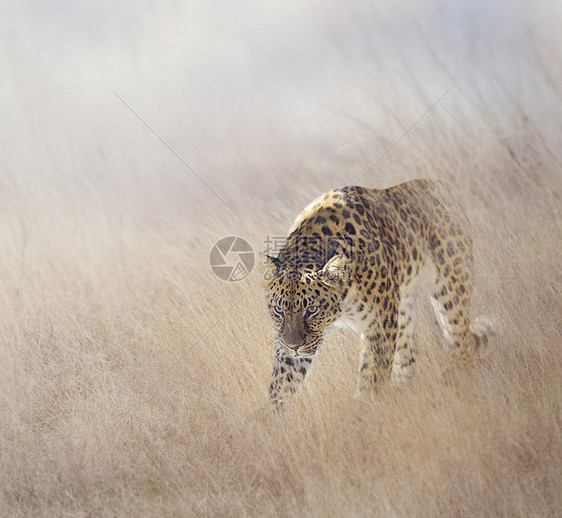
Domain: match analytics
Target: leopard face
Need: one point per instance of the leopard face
(303, 305)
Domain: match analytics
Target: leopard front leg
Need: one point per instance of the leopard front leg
(289, 371)
(377, 350)
(405, 355)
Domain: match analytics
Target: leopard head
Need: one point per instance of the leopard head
(303, 302)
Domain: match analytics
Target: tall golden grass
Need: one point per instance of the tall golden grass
(130, 375)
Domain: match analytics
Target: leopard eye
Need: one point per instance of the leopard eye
(278, 310)
(312, 309)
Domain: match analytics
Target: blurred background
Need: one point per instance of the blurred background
(267, 102)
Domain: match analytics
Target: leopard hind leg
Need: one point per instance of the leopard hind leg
(450, 299)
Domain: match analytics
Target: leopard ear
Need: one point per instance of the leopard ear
(271, 262)
(333, 271)
(271, 265)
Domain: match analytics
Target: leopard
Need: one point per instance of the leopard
(357, 258)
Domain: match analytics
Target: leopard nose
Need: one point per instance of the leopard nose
(293, 340)
(292, 345)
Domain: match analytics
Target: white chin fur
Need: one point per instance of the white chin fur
(340, 324)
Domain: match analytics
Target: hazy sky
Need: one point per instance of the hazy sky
(214, 75)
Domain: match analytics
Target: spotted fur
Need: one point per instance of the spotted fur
(356, 257)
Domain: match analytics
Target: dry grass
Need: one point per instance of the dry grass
(130, 375)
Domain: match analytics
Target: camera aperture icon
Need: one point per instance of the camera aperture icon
(232, 258)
